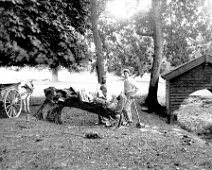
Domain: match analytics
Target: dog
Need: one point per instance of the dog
(50, 93)
(48, 104)
(52, 106)
(118, 107)
(26, 89)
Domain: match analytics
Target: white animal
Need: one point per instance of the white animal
(25, 89)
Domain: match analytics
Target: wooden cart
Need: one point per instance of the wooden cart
(11, 99)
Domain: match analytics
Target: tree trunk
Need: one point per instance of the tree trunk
(151, 100)
(98, 43)
(53, 111)
(55, 74)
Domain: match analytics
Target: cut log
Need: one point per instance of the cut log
(54, 114)
(94, 107)
(51, 109)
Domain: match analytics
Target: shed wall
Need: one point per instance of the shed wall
(182, 86)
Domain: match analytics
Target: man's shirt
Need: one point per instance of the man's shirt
(130, 86)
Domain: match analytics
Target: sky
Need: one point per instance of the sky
(124, 9)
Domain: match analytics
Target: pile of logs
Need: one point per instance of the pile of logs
(57, 99)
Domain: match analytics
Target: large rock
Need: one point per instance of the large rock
(195, 115)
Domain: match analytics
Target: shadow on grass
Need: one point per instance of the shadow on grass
(3, 114)
(160, 111)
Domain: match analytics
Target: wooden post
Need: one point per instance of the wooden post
(168, 103)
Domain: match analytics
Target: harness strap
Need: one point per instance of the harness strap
(28, 90)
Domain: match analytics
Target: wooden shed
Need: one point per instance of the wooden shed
(190, 77)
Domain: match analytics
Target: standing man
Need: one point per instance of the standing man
(130, 89)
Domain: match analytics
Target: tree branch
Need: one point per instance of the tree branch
(141, 33)
(131, 20)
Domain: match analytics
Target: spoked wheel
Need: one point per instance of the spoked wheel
(12, 103)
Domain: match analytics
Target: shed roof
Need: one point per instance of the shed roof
(187, 66)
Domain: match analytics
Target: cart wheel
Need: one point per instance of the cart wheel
(12, 103)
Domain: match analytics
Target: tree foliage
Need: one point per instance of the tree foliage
(129, 43)
(52, 32)
(184, 23)
(43, 32)
(122, 47)
(127, 49)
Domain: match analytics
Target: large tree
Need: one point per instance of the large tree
(48, 32)
(99, 64)
(176, 24)
(178, 29)
(151, 100)
(141, 26)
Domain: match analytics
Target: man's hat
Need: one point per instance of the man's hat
(126, 70)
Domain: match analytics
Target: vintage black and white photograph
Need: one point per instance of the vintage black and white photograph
(105, 84)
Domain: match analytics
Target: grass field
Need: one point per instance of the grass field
(82, 80)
